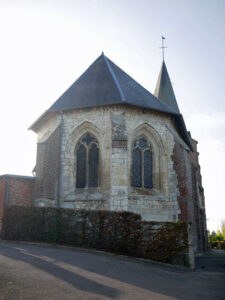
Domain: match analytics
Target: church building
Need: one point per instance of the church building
(109, 144)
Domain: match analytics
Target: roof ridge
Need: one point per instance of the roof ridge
(156, 99)
(114, 77)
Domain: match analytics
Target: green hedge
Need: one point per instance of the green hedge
(118, 232)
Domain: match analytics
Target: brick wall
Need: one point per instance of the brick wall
(16, 190)
(187, 191)
(47, 166)
(178, 158)
(21, 191)
(199, 199)
(191, 193)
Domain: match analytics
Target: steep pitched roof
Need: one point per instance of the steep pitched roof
(164, 90)
(104, 83)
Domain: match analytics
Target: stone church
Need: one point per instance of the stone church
(109, 144)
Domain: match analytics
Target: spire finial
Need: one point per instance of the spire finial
(163, 47)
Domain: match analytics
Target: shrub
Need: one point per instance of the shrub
(118, 232)
(163, 240)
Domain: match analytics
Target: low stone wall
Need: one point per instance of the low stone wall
(118, 232)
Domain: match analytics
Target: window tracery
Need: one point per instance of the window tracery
(142, 163)
(87, 162)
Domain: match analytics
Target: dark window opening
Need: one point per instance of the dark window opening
(93, 166)
(142, 164)
(81, 167)
(87, 162)
(137, 167)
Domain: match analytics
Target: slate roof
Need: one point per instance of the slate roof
(104, 83)
(164, 90)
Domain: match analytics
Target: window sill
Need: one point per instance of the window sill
(144, 191)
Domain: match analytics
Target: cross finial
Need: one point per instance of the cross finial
(163, 47)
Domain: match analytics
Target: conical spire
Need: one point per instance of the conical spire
(164, 90)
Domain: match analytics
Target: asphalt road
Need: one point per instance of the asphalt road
(34, 272)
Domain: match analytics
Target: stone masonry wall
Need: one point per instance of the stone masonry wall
(46, 168)
(115, 191)
(75, 125)
(159, 203)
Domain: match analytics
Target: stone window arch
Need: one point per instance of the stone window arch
(142, 163)
(87, 161)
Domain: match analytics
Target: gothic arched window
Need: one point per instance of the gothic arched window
(142, 163)
(87, 162)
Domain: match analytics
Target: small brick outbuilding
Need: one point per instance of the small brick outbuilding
(16, 190)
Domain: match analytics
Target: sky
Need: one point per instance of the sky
(46, 45)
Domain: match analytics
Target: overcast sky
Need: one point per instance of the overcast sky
(46, 45)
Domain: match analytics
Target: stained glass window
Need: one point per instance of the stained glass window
(87, 162)
(93, 166)
(148, 169)
(142, 143)
(136, 168)
(142, 163)
(81, 167)
(87, 139)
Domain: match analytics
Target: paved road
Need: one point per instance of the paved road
(213, 261)
(34, 272)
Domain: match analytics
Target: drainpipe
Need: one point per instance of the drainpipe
(7, 191)
(60, 161)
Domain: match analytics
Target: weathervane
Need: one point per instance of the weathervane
(163, 47)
